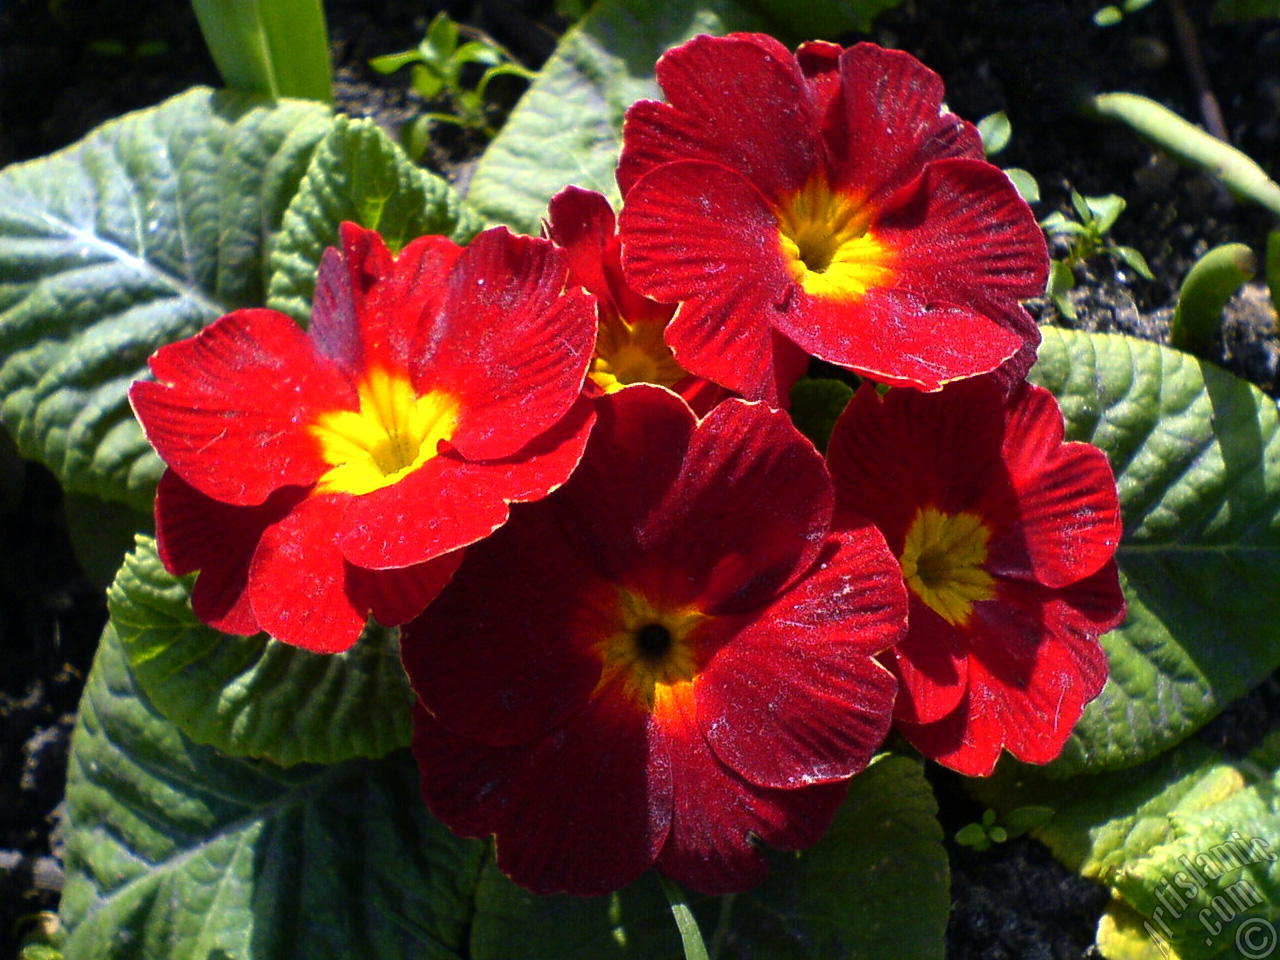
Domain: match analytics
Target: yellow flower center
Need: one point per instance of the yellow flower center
(652, 650)
(394, 432)
(633, 353)
(942, 563)
(828, 243)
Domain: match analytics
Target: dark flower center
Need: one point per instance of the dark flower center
(653, 640)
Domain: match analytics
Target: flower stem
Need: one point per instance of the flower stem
(722, 925)
(690, 935)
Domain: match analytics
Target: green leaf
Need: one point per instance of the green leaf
(567, 128)
(1108, 16)
(816, 404)
(995, 131)
(1061, 282)
(1197, 462)
(1084, 209)
(1136, 261)
(427, 81)
(358, 174)
(477, 52)
(1056, 224)
(1213, 882)
(1026, 185)
(973, 835)
(391, 62)
(1207, 288)
(1169, 838)
(1105, 211)
(253, 696)
(269, 48)
(442, 37)
(1101, 821)
(819, 19)
(141, 234)
(176, 852)
(875, 887)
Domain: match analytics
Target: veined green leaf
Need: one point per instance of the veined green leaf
(176, 852)
(358, 174)
(141, 234)
(1197, 462)
(253, 696)
(1188, 844)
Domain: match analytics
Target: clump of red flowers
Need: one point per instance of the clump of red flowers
(690, 631)
(667, 656)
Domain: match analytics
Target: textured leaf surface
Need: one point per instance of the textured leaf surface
(175, 852)
(1197, 461)
(567, 128)
(358, 174)
(141, 234)
(1187, 843)
(254, 696)
(875, 887)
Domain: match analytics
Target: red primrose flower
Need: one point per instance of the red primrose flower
(664, 660)
(318, 476)
(826, 204)
(1006, 538)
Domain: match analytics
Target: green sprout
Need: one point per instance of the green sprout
(989, 831)
(1212, 280)
(438, 64)
(1086, 238)
(1188, 144)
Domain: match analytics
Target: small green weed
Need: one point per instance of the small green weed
(1086, 238)
(438, 64)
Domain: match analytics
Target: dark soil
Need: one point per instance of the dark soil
(68, 65)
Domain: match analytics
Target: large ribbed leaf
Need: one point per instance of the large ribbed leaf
(175, 852)
(1186, 844)
(139, 235)
(361, 175)
(1197, 461)
(254, 696)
